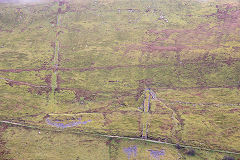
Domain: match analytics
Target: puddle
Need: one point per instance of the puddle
(156, 154)
(131, 151)
(78, 146)
(67, 125)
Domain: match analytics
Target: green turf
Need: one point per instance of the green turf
(95, 59)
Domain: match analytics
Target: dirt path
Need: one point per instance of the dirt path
(13, 82)
(25, 70)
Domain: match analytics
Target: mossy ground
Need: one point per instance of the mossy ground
(94, 59)
(39, 144)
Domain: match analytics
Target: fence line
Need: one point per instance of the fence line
(123, 137)
(200, 104)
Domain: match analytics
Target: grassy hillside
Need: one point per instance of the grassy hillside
(164, 70)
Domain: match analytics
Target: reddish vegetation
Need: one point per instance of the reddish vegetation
(3, 127)
(59, 58)
(47, 79)
(6, 30)
(59, 10)
(62, 3)
(39, 91)
(88, 95)
(210, 61)
(111, 67)
(45, 64)
(24, 70)
(184, 38)
(58, 33)
(53, 45)
(3, 150)
(100, 110)
(227, 13)
(107, 121)
(181, 108)
(59, 81)
(18, 83)
(203, 60)
(197, 87)
(142, 84)
(237, 110)
(155, 48)
(200, 111)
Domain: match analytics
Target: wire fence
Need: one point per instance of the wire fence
(120, 137)
(200, 104)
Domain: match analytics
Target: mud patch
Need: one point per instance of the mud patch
(87, 95)
(40, 91)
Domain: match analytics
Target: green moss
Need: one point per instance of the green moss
(107, 57)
